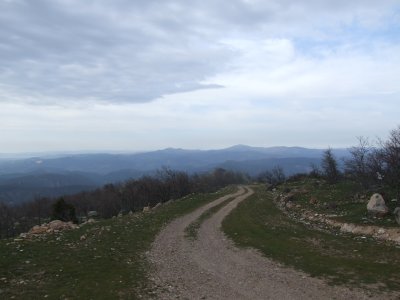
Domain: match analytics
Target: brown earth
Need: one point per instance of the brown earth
(211, 267)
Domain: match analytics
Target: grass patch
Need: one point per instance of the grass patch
(192, 230)
(108, 264)
(339, 199)
(349, 260)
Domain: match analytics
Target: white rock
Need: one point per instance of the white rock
(381, 231)
(347, 227)
(377, 206)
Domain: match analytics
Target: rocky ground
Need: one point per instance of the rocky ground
(327, 221)
(211, 267)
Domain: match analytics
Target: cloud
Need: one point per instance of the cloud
(55, 50)
(63, 51)
(142, 75)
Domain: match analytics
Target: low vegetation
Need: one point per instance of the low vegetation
(341, 259)
(104, 260)
(345, 201)
(113, 199)
(292, 231)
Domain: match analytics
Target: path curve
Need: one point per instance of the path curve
(211, 267)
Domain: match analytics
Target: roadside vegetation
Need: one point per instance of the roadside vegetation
(345, 201)
(342, 189)
(295, 220)
(113, 199)
(104, 260)
(340, 259)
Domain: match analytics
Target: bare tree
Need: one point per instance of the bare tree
(112, 199)
(315, 171)
(357, 166)
(278, 174)
(273, 177)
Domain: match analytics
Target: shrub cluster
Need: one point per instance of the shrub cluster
(112, 199)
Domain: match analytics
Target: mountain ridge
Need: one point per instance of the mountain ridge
(38, 175)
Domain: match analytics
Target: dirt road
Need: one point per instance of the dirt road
(211, 267)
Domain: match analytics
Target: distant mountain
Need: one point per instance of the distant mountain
(15, 188)
(188, 160)
(22, 179)
(290, 166)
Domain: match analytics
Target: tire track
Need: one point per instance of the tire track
(211, 267)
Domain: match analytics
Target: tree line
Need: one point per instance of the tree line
(113, 199)
(373, 165)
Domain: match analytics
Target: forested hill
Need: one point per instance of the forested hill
(45, 175)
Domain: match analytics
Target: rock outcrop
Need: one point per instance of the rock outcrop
(49, 228)
(388, 234)
(318, 220)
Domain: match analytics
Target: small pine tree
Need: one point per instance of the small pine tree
(63, 211)
(329, 167)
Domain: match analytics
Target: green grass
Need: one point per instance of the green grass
(108, 264)
(192, 230)
(348, 259)
(342, 195)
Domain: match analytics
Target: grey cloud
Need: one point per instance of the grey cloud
(58, 51)
(133, 51)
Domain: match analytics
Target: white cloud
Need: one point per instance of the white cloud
(137, 51)
(150, 74)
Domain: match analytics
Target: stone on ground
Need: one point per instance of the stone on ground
(377, 206)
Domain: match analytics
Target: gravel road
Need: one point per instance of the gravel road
(211, 267)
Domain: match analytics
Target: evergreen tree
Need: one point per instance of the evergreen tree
(63, 211)
(329, 167)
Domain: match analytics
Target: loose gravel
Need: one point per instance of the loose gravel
(211, 267)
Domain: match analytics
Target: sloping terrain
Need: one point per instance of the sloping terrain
(355, 261)
(178, 251)
(23, 179)
(16, 188)
(211, 267)
(186, 160)
(101, 260)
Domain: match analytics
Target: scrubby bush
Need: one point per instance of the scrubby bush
(112, 199)
(274, 177)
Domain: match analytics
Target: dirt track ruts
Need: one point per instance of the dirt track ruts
(211, 267)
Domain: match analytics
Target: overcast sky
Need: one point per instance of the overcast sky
(140, 75)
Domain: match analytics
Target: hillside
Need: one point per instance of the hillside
(16, 188)
(167, 252)
(23, 179)
(102, 260)
(180, 159)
